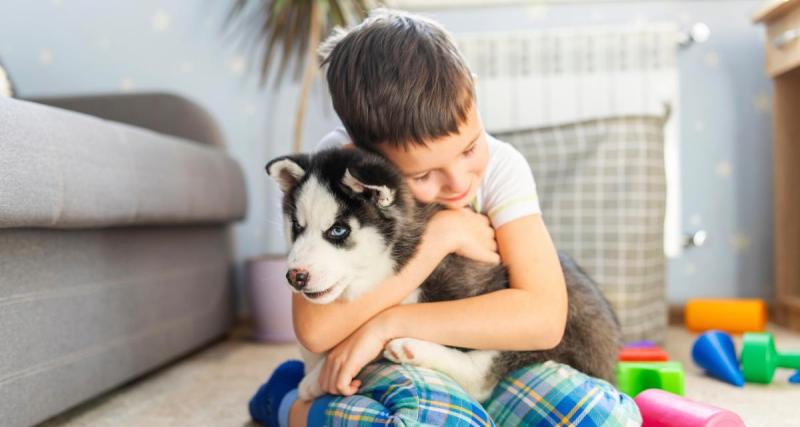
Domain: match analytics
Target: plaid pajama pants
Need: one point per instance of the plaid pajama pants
(547, 394)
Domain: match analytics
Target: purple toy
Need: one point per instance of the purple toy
(714, 352)
(660, 408)
(640, 344)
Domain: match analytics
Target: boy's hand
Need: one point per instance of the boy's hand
(464, 232)
(344, 362)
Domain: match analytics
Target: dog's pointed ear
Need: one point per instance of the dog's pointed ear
(384, 195)
(287, 171)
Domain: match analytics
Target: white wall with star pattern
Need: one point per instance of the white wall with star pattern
(72, 47)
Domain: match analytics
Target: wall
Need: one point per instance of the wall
(726, 149)
(65, 47)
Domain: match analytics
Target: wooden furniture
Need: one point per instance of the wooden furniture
(782, 20)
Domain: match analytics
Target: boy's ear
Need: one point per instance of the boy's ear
(287, 171)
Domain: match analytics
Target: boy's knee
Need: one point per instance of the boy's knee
(417, 395)
(547, 392)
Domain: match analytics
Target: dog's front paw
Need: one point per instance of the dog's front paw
(404, 350)
(309, 388)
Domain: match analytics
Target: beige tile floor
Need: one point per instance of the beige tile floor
(211, 388)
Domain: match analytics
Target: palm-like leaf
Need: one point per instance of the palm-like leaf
(295, 27)
(287, 25)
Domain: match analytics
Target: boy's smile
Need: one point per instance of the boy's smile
(448, 170)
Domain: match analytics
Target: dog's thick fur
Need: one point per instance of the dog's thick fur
(364, 195)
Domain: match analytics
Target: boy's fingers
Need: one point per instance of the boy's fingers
(354, 385)
(327, 375)
(352, 388)
(343, 385)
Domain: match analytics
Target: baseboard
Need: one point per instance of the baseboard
(675, 314)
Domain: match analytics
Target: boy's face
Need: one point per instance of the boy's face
(449, 169)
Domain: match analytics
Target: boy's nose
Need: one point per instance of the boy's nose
(456, 185)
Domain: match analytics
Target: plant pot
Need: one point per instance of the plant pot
(270, 299)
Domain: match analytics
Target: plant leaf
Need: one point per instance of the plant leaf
(286, 24)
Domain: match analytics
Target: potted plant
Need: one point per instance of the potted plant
(296, 27)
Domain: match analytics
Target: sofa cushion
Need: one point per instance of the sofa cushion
(63, 169)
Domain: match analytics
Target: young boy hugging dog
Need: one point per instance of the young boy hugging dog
(402, 90)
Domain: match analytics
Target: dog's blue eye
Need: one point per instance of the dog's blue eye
(338, 232)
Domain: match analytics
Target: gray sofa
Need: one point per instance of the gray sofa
(115, 248)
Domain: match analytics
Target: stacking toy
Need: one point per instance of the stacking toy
(714, 352)
(634, 377)
(640, 344)
(643, 354)
(662, 409)
(730, 315)
(795, 379)
(760, 359)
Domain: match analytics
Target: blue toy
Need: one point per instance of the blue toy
(714, 351)
(795, 379)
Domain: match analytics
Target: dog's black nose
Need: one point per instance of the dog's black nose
(297, 278)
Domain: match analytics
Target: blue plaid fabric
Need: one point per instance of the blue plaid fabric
(402, 395)
(553, 394)
(548, 394)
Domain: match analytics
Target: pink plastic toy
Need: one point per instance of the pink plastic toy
(664, 409)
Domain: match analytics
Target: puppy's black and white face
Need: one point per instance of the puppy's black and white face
(342, 208)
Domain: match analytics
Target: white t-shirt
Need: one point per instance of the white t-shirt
(507, 190)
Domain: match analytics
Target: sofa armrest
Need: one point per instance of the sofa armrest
(160, 112)
(62, 169)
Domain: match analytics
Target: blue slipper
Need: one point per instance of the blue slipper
(265, 403)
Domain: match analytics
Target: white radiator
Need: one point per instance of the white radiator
(529, 79)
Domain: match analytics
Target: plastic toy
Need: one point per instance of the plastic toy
(729, 315)
(795, 379)
(714, 351)
(760, 359)
(643, 354)
(634, 377)
(663, 409)
(640, 344)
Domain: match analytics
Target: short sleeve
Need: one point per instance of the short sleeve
(335, 138)
(511, 191)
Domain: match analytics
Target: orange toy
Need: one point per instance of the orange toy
(646, 354)
(730, 315)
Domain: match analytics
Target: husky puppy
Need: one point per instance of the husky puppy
(351, 222)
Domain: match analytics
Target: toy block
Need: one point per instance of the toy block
(643, 354)
(729, 315)
(640, 344)
(634, 377)
(760, 359)
(663, 409)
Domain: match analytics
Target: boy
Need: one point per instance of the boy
(402, 90)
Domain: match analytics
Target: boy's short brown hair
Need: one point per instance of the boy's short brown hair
(397, 78)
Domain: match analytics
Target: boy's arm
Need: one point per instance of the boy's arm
(531, 314)
(319, 327)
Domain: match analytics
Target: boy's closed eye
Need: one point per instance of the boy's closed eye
(469, 151)
(424, 177)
